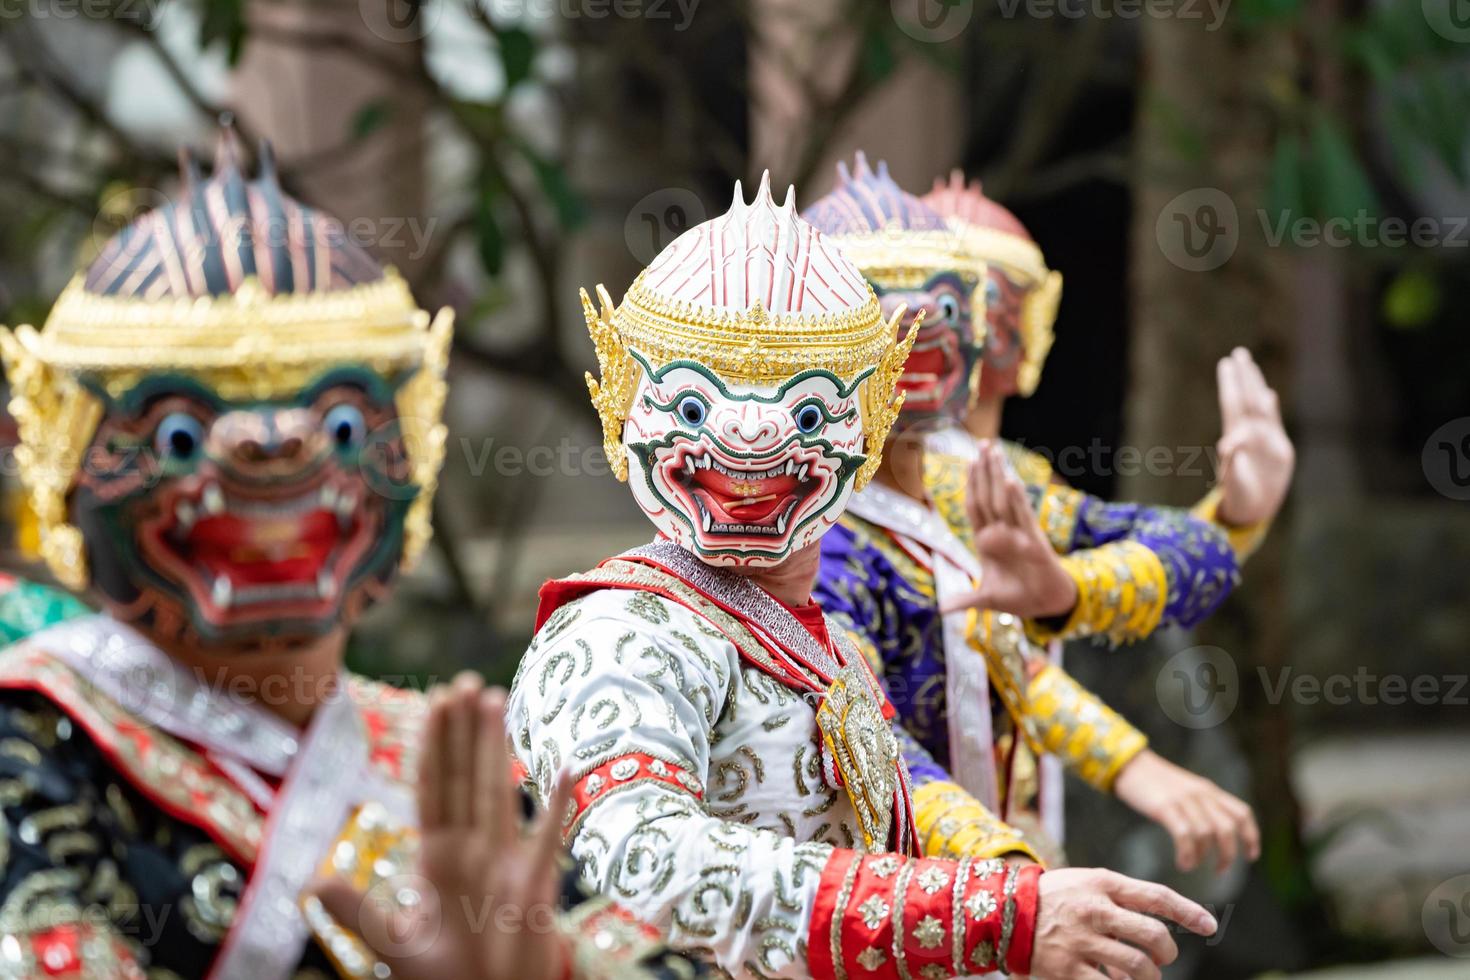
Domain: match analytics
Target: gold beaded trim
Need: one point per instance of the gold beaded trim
(754, 347)
(906, 259)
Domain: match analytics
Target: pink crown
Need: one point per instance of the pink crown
(969, 204)
(757, 252)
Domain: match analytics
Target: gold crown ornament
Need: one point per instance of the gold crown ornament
(756, 296)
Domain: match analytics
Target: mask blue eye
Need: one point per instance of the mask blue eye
(180, 436)
(345, 425)
(992, 292)
(948, 307)
(809, 419)
(692, 410)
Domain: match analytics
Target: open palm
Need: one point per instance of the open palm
(1019, 571)
(485, 905)
(1256, 455)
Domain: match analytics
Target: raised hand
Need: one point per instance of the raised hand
(1256, 454)
(489, 909)
(1198, 814)
(1092, 923)
(1019, 571)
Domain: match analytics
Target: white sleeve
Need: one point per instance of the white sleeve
(625, 690)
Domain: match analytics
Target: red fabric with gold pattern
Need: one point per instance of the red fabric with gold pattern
(177, 779)
(886, 917)
(617, 775)
(78, 950)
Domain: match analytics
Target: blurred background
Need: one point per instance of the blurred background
(1288, 175)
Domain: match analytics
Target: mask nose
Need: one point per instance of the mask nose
(747, 427)
(267, 443)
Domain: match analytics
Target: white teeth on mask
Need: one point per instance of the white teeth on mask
(213, 499)
(184, 512)
(328, 498)
(707, 519)
(222, 592)
(326, 585)
(801, 473)
(346, 504)
(781, 524)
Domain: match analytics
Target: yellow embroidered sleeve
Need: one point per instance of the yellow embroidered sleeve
(1093, 740)
(1122, 589)
(1030, 466)
(1244, 539)
(1057, 510)
(953, 824)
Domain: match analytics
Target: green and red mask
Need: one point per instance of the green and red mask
(237, 442)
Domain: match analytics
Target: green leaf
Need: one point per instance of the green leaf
(1412, 300)
(517, 54)
(1285, 194)
(371, 117)
(1340, 186)
(878, 59)
(489, 240)
(570, 209)
(223, 21)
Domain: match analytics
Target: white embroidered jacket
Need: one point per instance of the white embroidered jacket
(700, 800)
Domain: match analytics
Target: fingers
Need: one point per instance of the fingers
(996, 475)
(977, 599)
(1121, 959)
(350, 907)
(979, 495)
(1250, 832)
(345, 903)
(460, 763)
(1148, 934)
(547, 835)
(1232, 398)
(1186, 852)
(1224, 832)
(1260, 397)
(1155, 899)
(494, 798)
(1018, 505)
(433, 780)
(1235, 818)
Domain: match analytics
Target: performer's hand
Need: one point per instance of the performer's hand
(1019, 571)
(489, 910)
(1256, 454)
(1196, 813)
(1091, 922)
